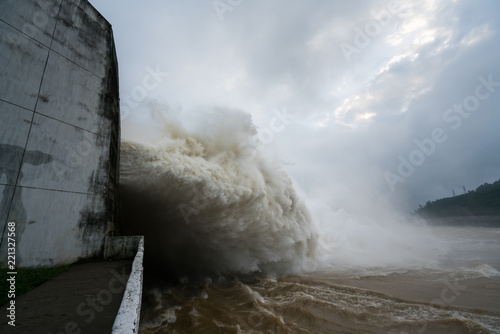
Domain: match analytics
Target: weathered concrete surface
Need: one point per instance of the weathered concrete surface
(84, 299)
(128, 317)
(122, 247)
(59, 130)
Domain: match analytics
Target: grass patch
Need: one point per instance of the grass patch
(26, 280)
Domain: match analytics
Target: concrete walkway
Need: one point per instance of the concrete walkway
(83, 299)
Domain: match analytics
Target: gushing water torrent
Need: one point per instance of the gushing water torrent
(216, 211)
(208, 204)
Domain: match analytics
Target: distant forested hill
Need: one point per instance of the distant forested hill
(484, 201)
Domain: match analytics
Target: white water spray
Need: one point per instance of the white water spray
(209, 203)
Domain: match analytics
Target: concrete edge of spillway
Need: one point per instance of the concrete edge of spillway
(128, 317)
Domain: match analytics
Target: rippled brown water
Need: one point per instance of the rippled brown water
(461, 296)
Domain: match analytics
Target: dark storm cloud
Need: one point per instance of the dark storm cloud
(356, 112)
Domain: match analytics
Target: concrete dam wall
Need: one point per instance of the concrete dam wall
(59, 131)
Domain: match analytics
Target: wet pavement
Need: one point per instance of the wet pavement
(83, 299)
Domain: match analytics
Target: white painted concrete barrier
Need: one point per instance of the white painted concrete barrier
(127, 319)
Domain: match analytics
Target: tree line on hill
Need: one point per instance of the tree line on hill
(483, 201)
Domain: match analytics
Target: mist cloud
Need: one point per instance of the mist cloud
(354, 117)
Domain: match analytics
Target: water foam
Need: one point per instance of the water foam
(208, 204)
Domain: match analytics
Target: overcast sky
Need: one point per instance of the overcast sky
(392, 102)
